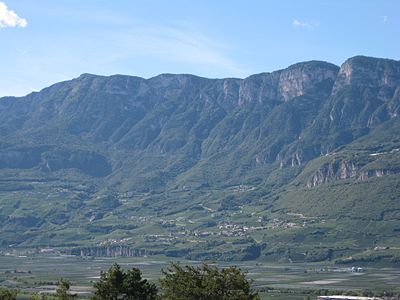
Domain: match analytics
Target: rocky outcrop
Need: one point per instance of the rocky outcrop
(364, 175)
(337, 170)
(287, 84)
(333, 171)
(368, 72)
(365, 94)
(298, 79)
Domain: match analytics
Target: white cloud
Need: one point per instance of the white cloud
(297, 23)
(385, 19)
(9, 18)
(188, 46)
(305, 24)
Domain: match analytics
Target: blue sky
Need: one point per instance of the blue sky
(46, 41)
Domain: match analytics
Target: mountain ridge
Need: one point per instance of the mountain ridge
(200, 149)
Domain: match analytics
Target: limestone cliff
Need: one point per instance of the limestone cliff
(338, 169)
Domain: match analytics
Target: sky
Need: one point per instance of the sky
(45, 41)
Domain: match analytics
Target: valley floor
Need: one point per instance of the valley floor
(290, 281)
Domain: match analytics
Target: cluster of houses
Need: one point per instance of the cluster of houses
(224, 229)
(108, 242)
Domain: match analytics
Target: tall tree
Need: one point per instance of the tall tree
(62, 292)
(206, 282)
(116, 284)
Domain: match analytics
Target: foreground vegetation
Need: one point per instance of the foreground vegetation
(178, 283)
(40, 273)
(190, 282)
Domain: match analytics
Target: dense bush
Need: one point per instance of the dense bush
(7, 294)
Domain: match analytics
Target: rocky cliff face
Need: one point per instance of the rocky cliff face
(366, 89)
(364, 95)
(287, 84)
(298, 79)
(368, 72)
(338, 169)
(334, 170)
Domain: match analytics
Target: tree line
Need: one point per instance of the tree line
(178, 283)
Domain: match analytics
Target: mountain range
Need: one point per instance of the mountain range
(301, 164)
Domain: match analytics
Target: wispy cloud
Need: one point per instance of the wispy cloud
(305, 24)
(188, 46)
(141, 48)
(179, 44)
(385, 19)
(9, 18)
